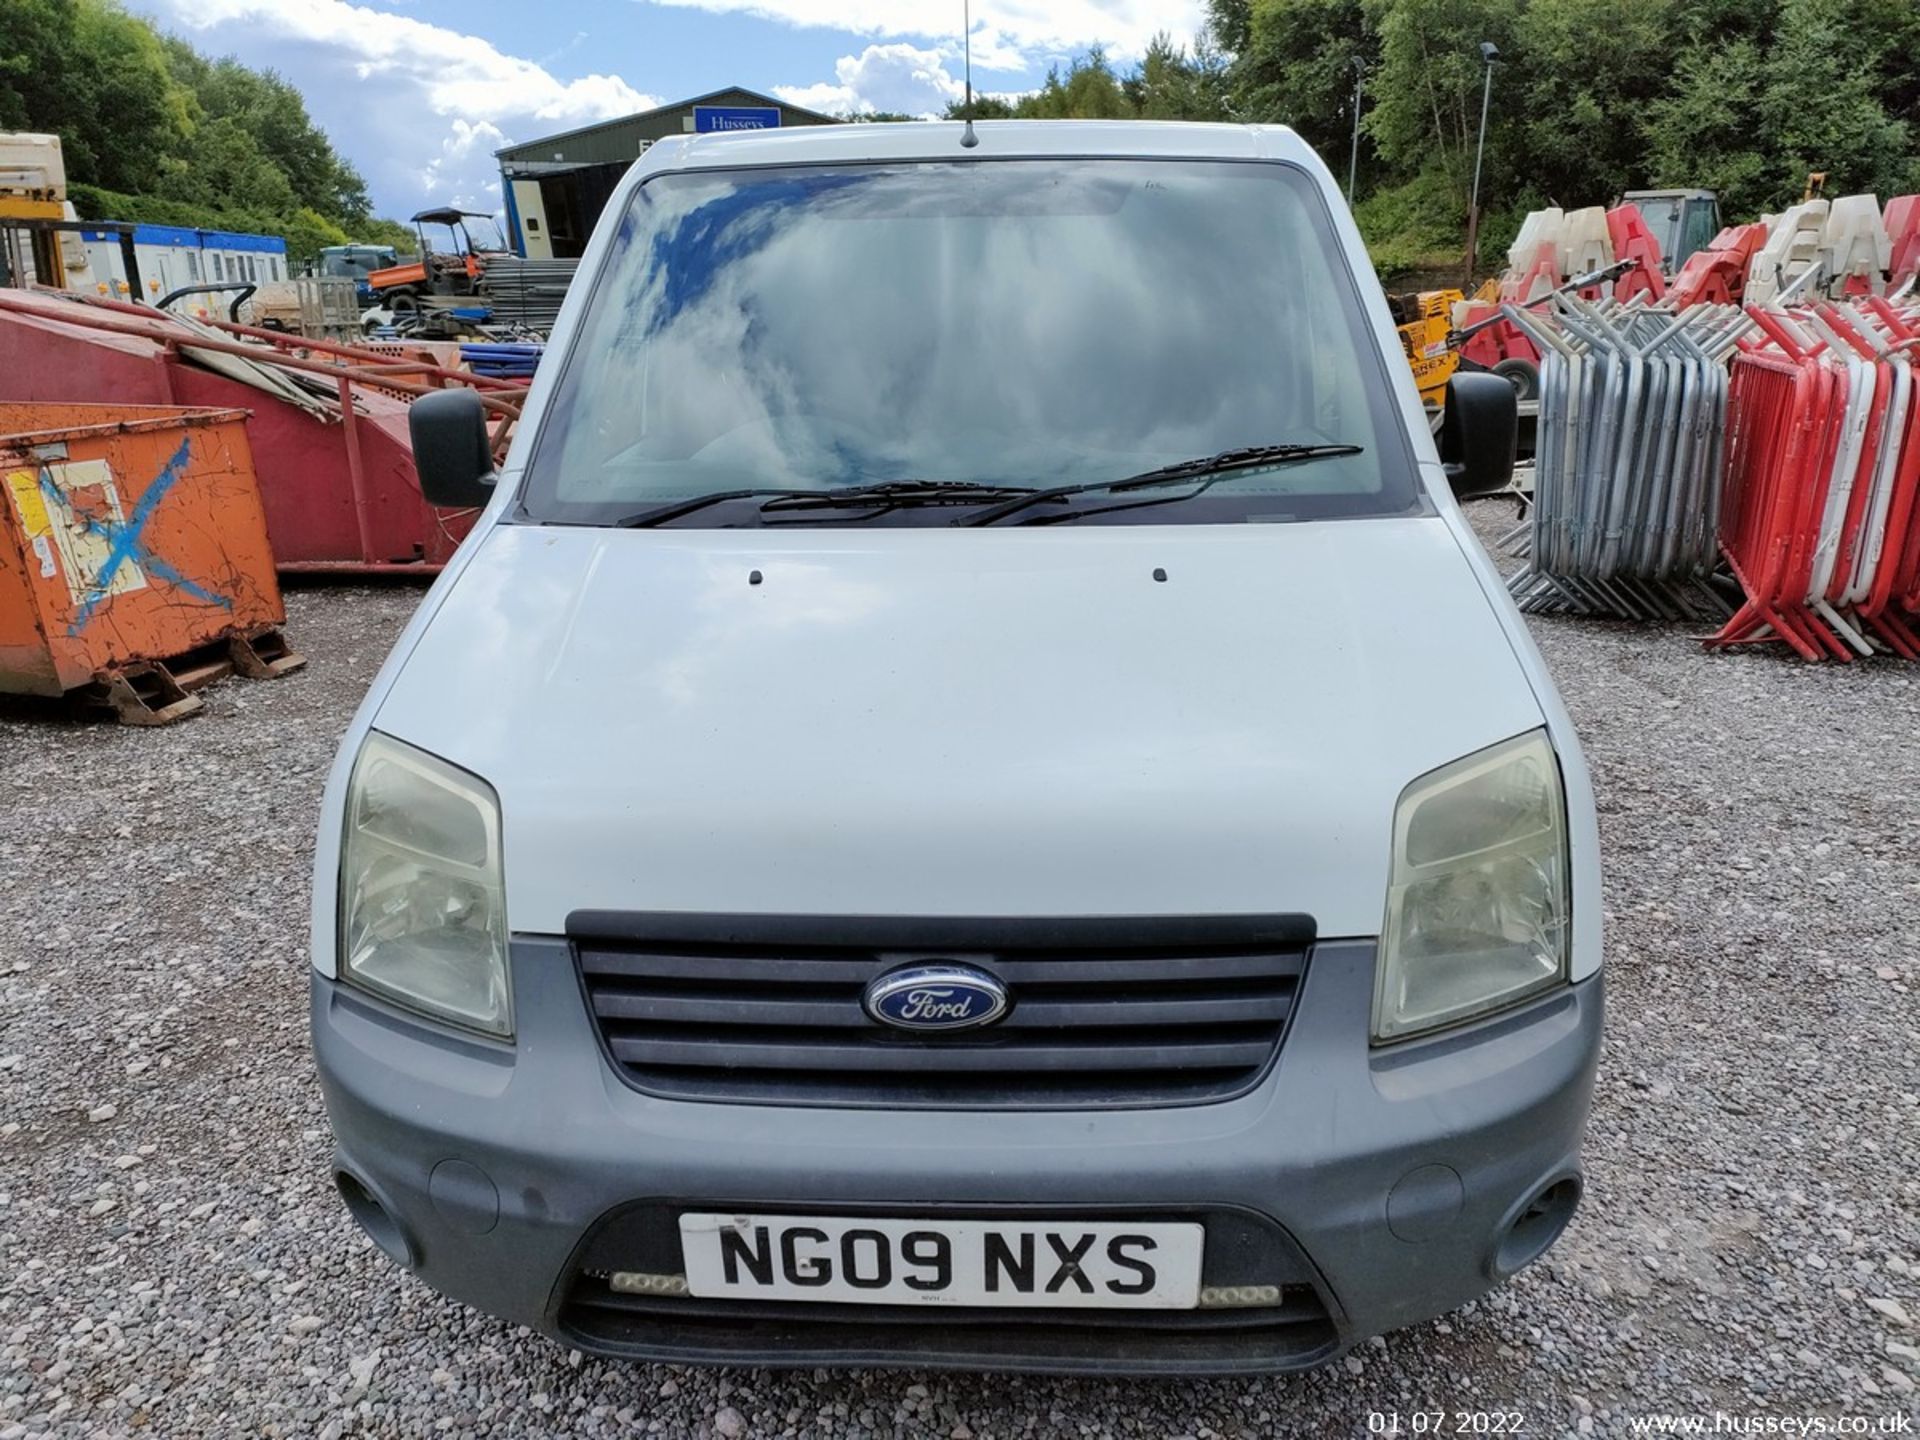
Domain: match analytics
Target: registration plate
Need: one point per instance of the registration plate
(1064, 1264)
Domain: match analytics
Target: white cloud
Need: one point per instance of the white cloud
(1008, 34)
(448, 175)
(409, 127)
(895, 78)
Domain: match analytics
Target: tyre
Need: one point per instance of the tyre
(1523, 375)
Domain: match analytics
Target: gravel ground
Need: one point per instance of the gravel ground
(173, 1260)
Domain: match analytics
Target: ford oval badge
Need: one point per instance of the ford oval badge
(936, 997)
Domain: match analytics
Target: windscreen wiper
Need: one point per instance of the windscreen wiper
(888, 493)
(1208, 469)
(884, 495)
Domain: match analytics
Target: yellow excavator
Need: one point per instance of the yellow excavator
(1425, 322)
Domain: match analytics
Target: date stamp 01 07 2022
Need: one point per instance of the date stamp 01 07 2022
(1438, 1421)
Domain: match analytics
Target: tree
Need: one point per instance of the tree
(1822, 104)
(1294, 66)
(150, 125)
(1170, 83)
(1229, 25)
(985, 107)
(1749, 113)
(309, 232)
(1706, 131)
(230, 171)
(1585, 127)
(97, 77)
(36, 49)
(272, 112)
(387, 232)
(1088, 91)
(1426, 91)
(1173, 84)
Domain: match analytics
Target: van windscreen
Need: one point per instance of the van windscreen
(1015, 323)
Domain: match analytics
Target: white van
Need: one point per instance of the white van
(971, 799)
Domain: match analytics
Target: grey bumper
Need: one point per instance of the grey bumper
(1378, 1188)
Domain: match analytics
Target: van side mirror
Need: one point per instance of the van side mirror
(451, 451)
(1478, 433)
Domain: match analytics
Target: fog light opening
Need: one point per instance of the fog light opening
(1531, 1232)
(635, 1282)
(375, 1219)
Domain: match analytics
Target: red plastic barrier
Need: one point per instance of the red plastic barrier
(1497, 342)
(1902, 217)
(1632, 240)
(1718, 274)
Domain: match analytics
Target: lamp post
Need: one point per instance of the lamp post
(1353, 156)
(1489, 52)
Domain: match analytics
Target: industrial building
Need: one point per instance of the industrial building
(555, 188)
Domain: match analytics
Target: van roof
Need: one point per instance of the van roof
(940, 140)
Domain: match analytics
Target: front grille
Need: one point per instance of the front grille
(1108, 1013)
(1241, 1249)
(1296, 1333)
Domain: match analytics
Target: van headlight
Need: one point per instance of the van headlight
(1477, 907)
(422, 905)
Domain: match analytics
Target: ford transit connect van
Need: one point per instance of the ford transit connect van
(970, 799)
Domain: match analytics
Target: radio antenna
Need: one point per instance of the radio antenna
(967, 138)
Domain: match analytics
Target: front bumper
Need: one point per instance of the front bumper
(1375, 1188)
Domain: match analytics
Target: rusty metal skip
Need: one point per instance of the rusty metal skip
(134, 563)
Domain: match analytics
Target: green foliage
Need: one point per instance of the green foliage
(985, 107)
(271, 113)
(1595, 147)
(1412, 226)
(96, 76)
(387, 232)
(1296, 67)
(310, 232)
(1701, 131)
(97, 203)
(1171, 83)
(230, 172)
(1424, 111)
(1820, 85)
(1230, 24)
(153, 131)
(1088, 91)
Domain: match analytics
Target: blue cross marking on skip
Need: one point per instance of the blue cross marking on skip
(125, 542)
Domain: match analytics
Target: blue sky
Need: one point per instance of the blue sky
(419, 93)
